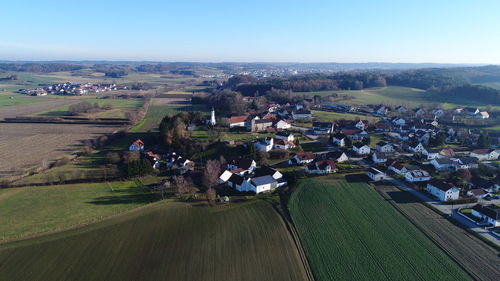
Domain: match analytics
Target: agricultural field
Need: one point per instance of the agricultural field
(35, 105)
(164, 241)
(351, 233)
(327, 116)
(27, 145)
(478, 258)
(313, 146)
(32, 211)
(118, 108)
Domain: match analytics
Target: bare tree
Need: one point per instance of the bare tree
(211, 195)
(183, 185)
(211, 173)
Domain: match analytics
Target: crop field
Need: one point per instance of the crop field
(327, 116)
(118, 108)
(26, 145)
(351, 233)
(473, 254)
(31, 211)
(163, 241)
(37, 105)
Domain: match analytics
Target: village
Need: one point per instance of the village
(72, 89)
(451, 167)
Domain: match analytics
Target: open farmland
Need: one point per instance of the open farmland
(27, 145)
(350, 233)
(118, 108)
(39, 105)
(328, 116)
(475, 255)
(163, 241)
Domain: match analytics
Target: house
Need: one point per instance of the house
(432, 153)
(339, 139)
(380, 110)
(354, 134)
(245, 164)
(282, 125)
(447, 152)
(465, 162)
(383, 146)
(471, 111)
(338, 156)
(490, 214)
(442, 163)
(398, 168)
(477, 193)
(382, 127)
(485, 154)
(398, 121)
(225, 176)
(283, 144)
(438, 112)
(419, 111)
(238, 121)
(137, 145)
(482, 115)
(379, 157)
(321, 167)
(442, 190)
(401, 109)
(266, 144)
(259, 125)
(301, 114)
(268, 171)
(416, 147)
(302, 158)
(361, 148)
(361, 124)
(375, 174)
(262, 184)
(285, 135)
(323, 128)
(417, 176)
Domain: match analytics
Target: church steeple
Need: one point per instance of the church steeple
(212, 117)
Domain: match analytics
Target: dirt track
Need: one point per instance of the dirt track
(475, 256)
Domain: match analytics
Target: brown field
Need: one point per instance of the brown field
(31, 108)
(475, 256)
(24, 146)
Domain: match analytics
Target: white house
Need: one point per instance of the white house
(283, 144)
(419, 111)
(483, 115)
(432, 153)
(302, 158)
(442, 190)
(266, 144)
(485, 154)
(286, 136)
(322, 128)
(263, 184)
(398, 168)
(361, 124)
(416, 147)
(238, 121)
(478, 193)
(399, 121)
(361, 148)
(338, 156)
(321, 167)
(401, 109)
(339, 139)
(282, 125)
(490, 214)
(417, 176)
(442, 163)
(379, 157)
(382, 146)
(137, 145)
(247, 165)
(375, 174)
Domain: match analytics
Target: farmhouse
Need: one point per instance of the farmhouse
(490, 214)
(282, 125)
(339, 139)
(375, 174)
(477, 193)
(432, 153)
(482, 115)
(323, 128)
(442, 163)
(302, 158)
(442, 190)
(265, 144)
(485, 154)
(361, 124)
(398, 168)
(137, 145)
(283, 144)
(321, 167)
(259, 125)
(416, 147)
(417, 176)
(247, 165)
(361, 148)
(237, 121)
(286, 136)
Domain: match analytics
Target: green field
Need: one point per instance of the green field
(327, 116)
(31, 211)
(351, 233)
(119, 107)
(164, 241)
(18, 99)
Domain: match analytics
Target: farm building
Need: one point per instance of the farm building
(417, 176)
(321, 167)
(375, 174)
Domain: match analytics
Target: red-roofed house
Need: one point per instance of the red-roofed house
(321, 167)
(137, 145)
(237, 121)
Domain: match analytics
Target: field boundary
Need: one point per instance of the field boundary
(472, 275)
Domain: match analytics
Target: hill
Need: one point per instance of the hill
(164, 241)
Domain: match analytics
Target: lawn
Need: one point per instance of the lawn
(327, 116)
(31, 211)
(164, 241)
(351, 233)
(313, 146)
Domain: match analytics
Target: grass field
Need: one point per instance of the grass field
(475, 255)
(327, 116)
(163, 241)
(119, 107)
(31, 211)
(313, 146)
(350, 233)
(17, 99)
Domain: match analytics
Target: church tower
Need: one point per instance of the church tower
(212, 118)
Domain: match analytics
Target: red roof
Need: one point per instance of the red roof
(322, 164)
(138, 143)
(238, 119)
(349, 132)
(305, 155)
(151, 154)
(477, 191)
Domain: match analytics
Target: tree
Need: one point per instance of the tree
(211, 195)
(367, 140)
(348, 142)
(484, 140)
(211, 174)
(183, 185)
(464, 174)
(262, 157)
(113, 157)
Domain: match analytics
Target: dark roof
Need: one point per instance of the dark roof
(381, 143)
(243, 163)
(468, 160)
(322, 124)
(491, 211)
(444, 186)
(263, 121)
(284, 133)
(305, 155)
(263, 180)
(359, 144)
(264, 171)
(236, 179)
(335, 154)
(374, 171)
(380, 155)
(477, 191)
(339, 136)
(325, 163)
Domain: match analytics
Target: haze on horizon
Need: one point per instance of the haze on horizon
(447, 31)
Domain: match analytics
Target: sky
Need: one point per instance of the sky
(441, 31)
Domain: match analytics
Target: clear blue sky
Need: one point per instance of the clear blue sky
(454, 31)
